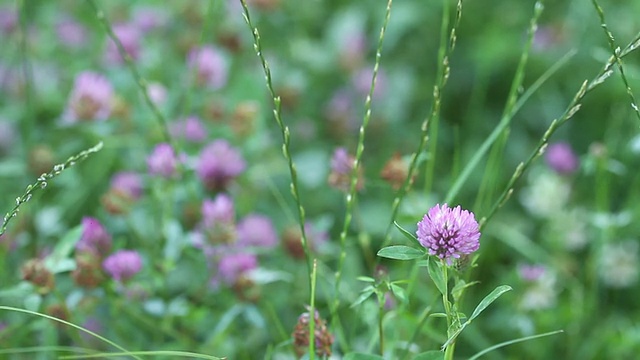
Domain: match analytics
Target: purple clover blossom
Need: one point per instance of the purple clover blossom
(362, 82)
(449, 233)
(90, 98)
(257, 230)
(341, 162)
(209, 66)
(561, 158)
(123, 265)
(71, 33)
(218, 164)
(162, 161)
(95, 238)
(157, 93)
(531, 272)
(149, 18)
(232, 266)
(191, 129)
(128, 184)
(8, 19)
(218, 211)
(129, 36)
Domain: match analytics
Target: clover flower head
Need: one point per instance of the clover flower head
(127, 183)
(209, 66)
(561, 158)
(130, 37)
(218, 211)
(190, 128)
(218, 164)
(95, 238)
(90, 98)
(71, 33)
(162, 161)
(449, 233)
(256, 230)
(232, 266)
(123, 265)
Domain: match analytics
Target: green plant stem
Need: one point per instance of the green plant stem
(140, 81)
(26, 126)
(286, 135)
(42, 183)
(351, 196)
(443, 72)
(512, 106)
(448, 352)
(615, 51)
(380, 325)
(573, 107)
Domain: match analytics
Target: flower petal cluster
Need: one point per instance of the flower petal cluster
(162, 161)
(90, 98)
(209, 66)
(95, 238)
(123, 265)
(449, 233)
(218, 164)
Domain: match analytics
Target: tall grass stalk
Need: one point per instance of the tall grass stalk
(26, 126)
(140, 81)
(510, 109)
(97, 336)
(442, 76)
(573, 107)
(351, 195)
(286, 136)
(42, 183)
(615, 51)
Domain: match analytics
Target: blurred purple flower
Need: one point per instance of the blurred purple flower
(218, 211)
(162, 161)
(157, 93)
(218, 164)
(8, 19)
(531, 272)
(129, 37)
(191, 129)
(94, 238)
(353, 49)
(123, 264)
(209, 66)
(257, 230)
(128, 184)
(90, 98)
(7, 135)
(561, 158)
(148, 18)
(341, 161)
(362, 82)
(71, 33)
(232, 266)
(449, 233)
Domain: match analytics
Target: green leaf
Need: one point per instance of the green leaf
(489, 299)
(430, 355)
(361, 356)
(55, 261)
(366, 279)
(401, 252)
(510, 342)
(408, 235)
(364, 295)
(438, 315)
(435, 272)
(399, 292)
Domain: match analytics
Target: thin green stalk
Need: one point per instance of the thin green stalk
(140, 81)
(9, 308)
(443, 71)
(26, 126)
(351, 196)
(572, 108)
(380, 325)
(448, 351)
(511, 107)
(42, 183)
(615, 50)
(511, 342)
(312, 311)
(286, 135)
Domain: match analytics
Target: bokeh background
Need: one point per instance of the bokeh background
(567, 241)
